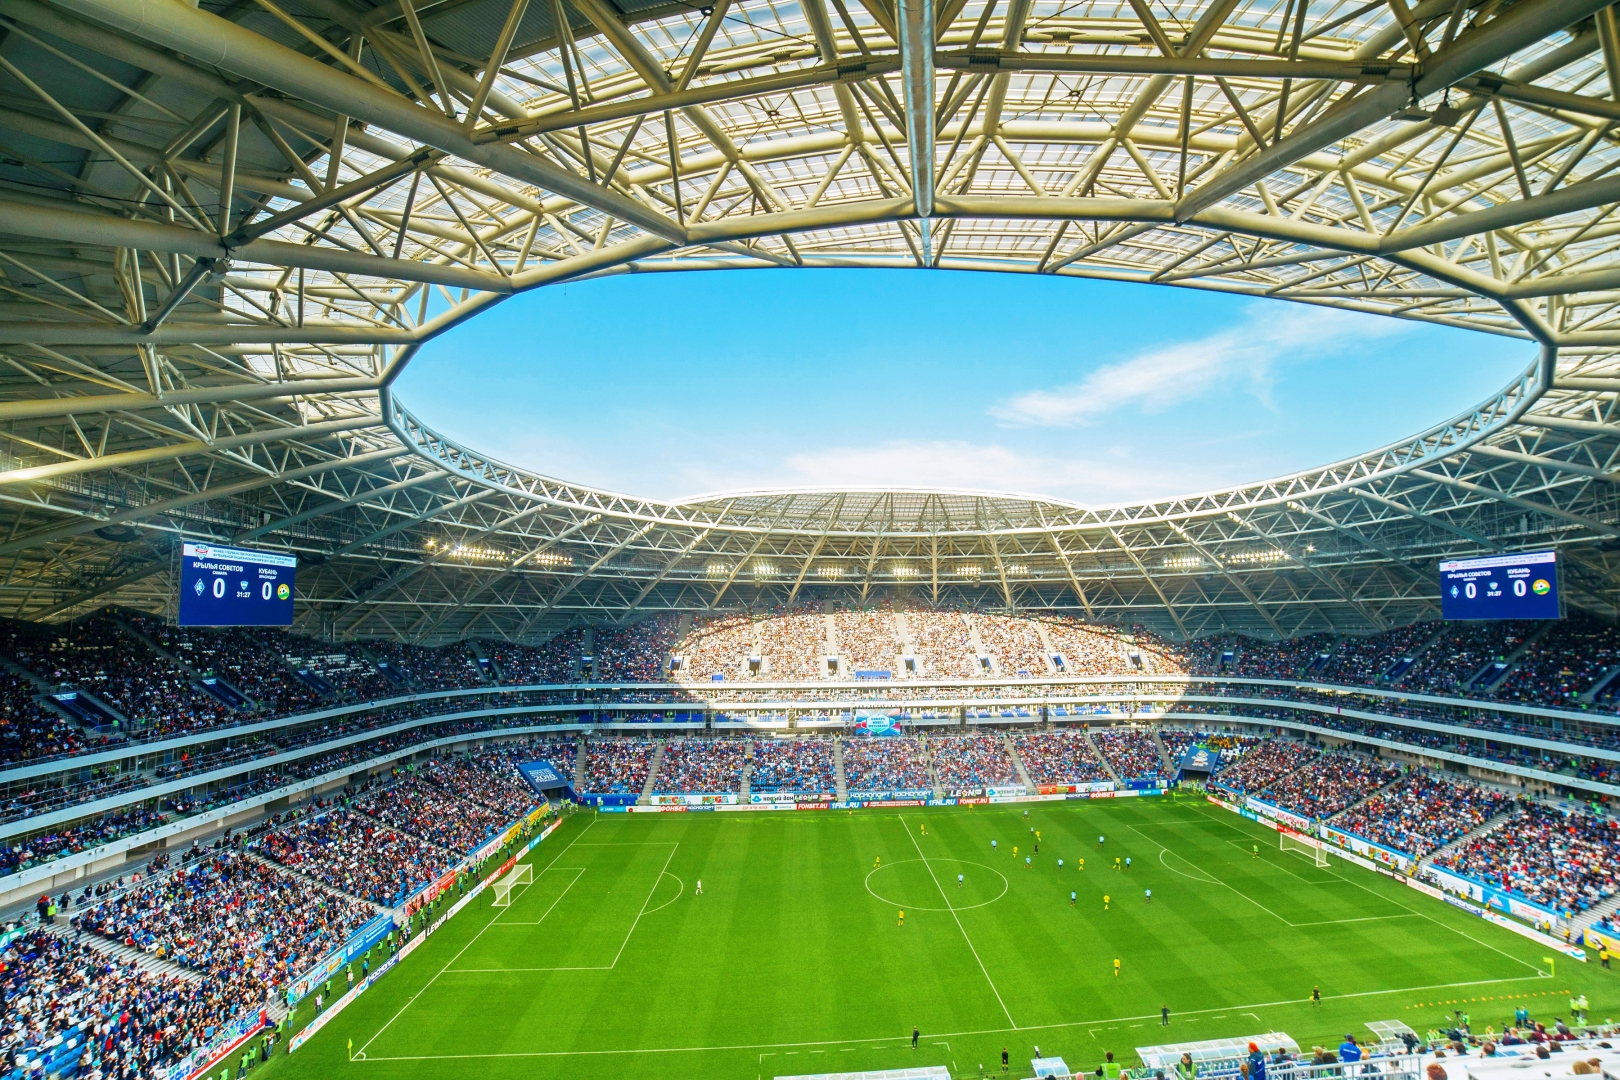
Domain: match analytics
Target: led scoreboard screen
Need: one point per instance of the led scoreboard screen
(1500, 587)
(223, 586)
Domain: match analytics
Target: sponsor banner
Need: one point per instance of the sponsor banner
(790, 797)
(1363, 846)
(200, 1061)
(885, 796)
(1001, 792)
(1596, 939)
(1492, 897)
(693, 799)
(1265, 809)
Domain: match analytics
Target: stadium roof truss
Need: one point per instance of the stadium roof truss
(225, 229)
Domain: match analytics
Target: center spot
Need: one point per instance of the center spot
(910, 886)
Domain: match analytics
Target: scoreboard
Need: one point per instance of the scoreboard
(1501, 587)
(225, 586)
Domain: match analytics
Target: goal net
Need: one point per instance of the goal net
(1310, 851)
(522, 874)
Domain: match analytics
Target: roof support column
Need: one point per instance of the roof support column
(917, 71)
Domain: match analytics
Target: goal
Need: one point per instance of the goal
(1304, 847)
(522, 874)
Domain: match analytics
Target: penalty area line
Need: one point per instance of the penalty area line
(470, 942)
(905, 1040)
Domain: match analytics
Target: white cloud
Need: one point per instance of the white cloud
(962, 464)
(1270, 334)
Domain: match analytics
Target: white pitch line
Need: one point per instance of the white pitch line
(412, 1000)
(946, 900)
(905, 1040)
(580, 872)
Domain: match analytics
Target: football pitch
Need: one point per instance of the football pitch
(794, 958)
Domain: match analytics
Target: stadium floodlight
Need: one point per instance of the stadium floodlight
(1312, 849)
(522, 874)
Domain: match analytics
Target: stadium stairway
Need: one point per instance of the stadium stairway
(1018, 763)
(933, 777)
(1597, 911)
(1369, 797)
(747, 772)
(179, 662)
(1102, 757)
(1046, 645)
(306, 879)
(978, 646)
(1491, 825)
(108, 947)
(1170, 769)
(582, 756)
(653, 766)
(381, 824)
(840, 784)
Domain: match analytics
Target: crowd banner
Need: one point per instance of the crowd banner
(204, 1058)
(315, 1025)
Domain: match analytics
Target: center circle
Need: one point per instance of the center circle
(901, 883)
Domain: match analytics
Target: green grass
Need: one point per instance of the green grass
(793, 960)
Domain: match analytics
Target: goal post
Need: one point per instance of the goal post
(522, 874)
(1289, 842)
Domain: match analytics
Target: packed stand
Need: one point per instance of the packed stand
(249, 658)
(1131, 752)
(59, 843)
(97, 656)
(701, 766)
(1363, 661)
(1089, 649)
(1059, 758)
(489, 779)
(231, 918)
(1563, 664)
(792, 765)
(556, 660)
(430, 814)
(350, 676)
(874, 764)
(1264, 766)
(1420, 814)
(1281, 659)
(1448, 666)
(793, 642)
(354, 854)
(1565, 861)
(1329, 784)
(969, 762)
(28, 730)
(867, 640)
(717, 645)
(1015, 644)
(940, 641)
(617, 766)
(637, 653)
(451, 667)
(68, 1006)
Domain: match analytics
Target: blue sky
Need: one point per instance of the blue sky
(669, 385)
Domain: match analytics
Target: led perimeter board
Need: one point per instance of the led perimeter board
(222, 586)
(1500, 587)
